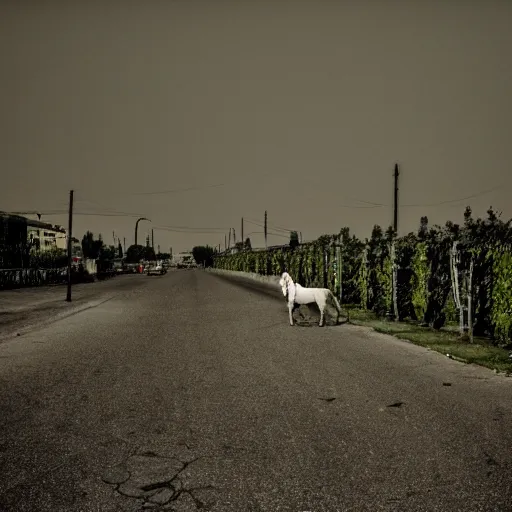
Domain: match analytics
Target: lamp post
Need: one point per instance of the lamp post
(137, 227)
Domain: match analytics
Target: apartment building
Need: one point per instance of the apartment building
(45, 236)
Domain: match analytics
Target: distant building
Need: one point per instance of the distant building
(45, 236)
(185, 258)
(13, 230)
(179, 257)
(18, 230)
(13, 239)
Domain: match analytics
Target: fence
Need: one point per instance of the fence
(28, 277)
(19, 278)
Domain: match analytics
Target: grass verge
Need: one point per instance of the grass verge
(446, 341)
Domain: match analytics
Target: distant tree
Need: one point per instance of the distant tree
(248, 245)
(149, 253)
(134, 253)
(163, 255)
(423, 229)
(345, 234)
(390, 234)
(119, 250)
(203, 255)
(91, 248)
(294, 239)
(377, 253)
(107, 253)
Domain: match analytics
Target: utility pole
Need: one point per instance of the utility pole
(70, 244)
(225, 243)
(242, 232)
(234, 236)
(393, 254)
(265, 229)
(229, 239)
(124, 245)
(158, 248)
(339, 267)
(114, 237)
(152, 239)
(300, 234)
(395, 216)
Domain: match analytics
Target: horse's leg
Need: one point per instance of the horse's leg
(290, 313)
(321, 317)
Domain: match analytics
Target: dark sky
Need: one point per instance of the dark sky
(299, 108)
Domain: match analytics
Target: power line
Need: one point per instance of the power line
(64, 212)
(366, 202)
(183, 229)
(40, 212)
(97, 214)
(263, 232)
(216, 228)
(275, 228)
(457, 200)
(175, 191)
(189, 232)
(113, 210)
(199, 231)
(109, 214)
(373, 205)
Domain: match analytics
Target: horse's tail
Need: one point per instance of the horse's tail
(335, 300)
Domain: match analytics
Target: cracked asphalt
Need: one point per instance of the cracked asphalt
(189, 392)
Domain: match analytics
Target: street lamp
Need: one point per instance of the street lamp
(137, 227)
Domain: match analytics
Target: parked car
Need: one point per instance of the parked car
(156, 270)
(118, 266)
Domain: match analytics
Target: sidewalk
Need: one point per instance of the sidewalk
(24, 308)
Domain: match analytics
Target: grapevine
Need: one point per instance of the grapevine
(420, 278)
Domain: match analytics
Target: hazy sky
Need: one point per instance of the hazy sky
(298, 108)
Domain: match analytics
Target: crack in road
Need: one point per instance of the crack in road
(158, 484)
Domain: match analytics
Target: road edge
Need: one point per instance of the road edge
(57, 317)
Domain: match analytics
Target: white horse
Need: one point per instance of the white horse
(297, 294)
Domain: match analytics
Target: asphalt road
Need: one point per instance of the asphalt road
(195, 393)
(22, 308)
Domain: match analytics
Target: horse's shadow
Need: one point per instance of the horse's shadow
(308, 315)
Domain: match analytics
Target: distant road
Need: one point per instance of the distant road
(195, 393)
